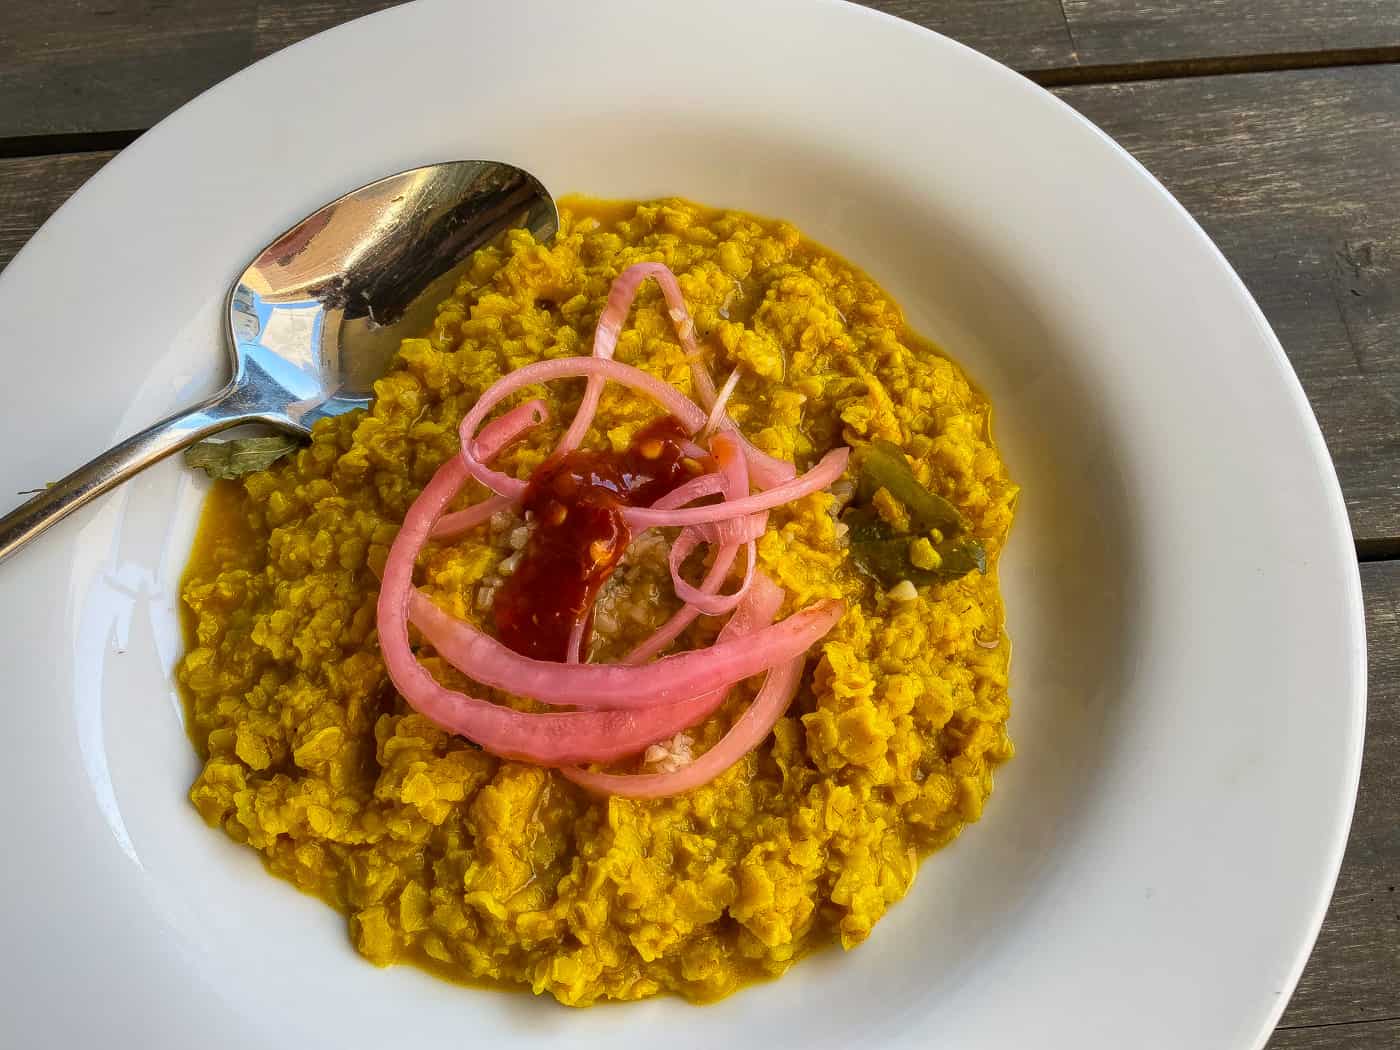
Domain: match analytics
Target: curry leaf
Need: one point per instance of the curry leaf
(239, 456)
(882, 465)
(882, 551)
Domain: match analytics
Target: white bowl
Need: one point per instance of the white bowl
(1188, 679)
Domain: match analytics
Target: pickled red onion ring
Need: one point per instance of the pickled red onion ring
(827, 470)
(683, 617)
(705, 599)
(689, 491)
(767, 470)
(458, 522)
(574, 652)
(673, 678)
(668, 397)
(749, 730)
(701, 599)
(494, 437)
(551, 739)
(721, 399)
(509, 427)
(605, 334)
(733, 530)
(687, 614)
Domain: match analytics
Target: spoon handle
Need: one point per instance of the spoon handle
(118, 463)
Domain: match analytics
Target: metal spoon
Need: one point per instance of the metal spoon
(315, 319)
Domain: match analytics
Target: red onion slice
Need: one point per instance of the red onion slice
(733, 530)
(827, 470)
(721, 399)
(665, 395)
(734, 474)
(690, 491)
(545, 739)
(726, 535)
(673, 678)
(767, 470)
(494, 438)
(452, 525)
(609, 327)
(750, 730)
(703, 601)
(574, 651)
(509, 428)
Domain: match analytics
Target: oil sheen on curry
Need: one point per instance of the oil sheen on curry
(640, 638)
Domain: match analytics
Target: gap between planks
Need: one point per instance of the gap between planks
(1334, 1024)
(19, 146)
(1373, 550)
(1180, 69)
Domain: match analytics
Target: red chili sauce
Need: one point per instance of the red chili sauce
(580, 535)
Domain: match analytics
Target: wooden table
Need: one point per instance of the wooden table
(1276, 122)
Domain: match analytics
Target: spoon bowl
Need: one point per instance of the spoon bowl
(318, 315)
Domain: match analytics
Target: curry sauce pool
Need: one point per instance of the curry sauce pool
(493, 870)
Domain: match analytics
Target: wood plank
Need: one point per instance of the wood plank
(76, 66)
(32, 188)
(1354, 972)
(1297, 177)
(281, 23)
(1358, 1035)
(83, 66)
(1024, 34)
(1119, 31)
(69, 66)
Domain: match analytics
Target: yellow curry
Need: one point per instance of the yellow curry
(488, 870)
